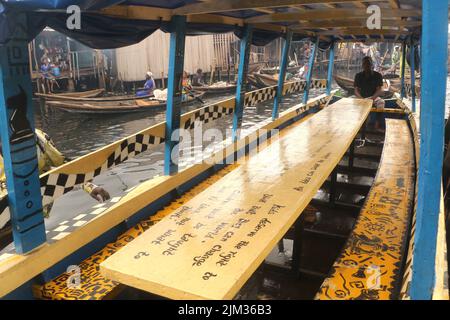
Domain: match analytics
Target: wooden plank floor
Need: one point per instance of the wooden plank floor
(208, 248)
(369, 267)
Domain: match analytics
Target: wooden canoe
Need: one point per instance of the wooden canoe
(265, 80)
(92, 99)
(108, 107)
(69, 95)
(347, 84)
(276, 70)
(216, 89)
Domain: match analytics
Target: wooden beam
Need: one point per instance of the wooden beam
(361, 23)
(138, 12)
(236, 5)
(147, 13)
(363, 31)
(331, 14)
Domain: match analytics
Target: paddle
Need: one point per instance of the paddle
(190, 93)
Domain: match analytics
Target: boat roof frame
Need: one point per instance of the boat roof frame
(329, 20)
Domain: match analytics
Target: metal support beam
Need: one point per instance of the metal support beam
(413, 75)
(19, 144)
(282, 74)
(402, 94)
(174, 94)
(333, 186)
(245, 45)
(351, 157)
(434, 75)
(330, 68)
(310, 70)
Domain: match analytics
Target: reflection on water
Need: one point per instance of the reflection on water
(78, 134)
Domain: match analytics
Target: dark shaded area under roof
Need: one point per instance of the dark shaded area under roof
(102, 31)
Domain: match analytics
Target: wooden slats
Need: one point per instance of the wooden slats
(331, 14)
(215, 6)
(370, 264)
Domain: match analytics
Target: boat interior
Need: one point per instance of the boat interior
(311, 203)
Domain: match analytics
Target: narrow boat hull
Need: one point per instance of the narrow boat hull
(111, 108)
(71, 95)
(215, 90)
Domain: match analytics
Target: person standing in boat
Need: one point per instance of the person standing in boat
(48, 158)
(46, 74)
(369, 85)
(197, 79)
(149, 86)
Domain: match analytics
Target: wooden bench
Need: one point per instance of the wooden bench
(370, 265)
(208, 248)
(94, 286)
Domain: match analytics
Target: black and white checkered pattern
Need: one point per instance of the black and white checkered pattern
(57, 184)
(207, 114)
(258, 96)
(296, 86)
(318, 84)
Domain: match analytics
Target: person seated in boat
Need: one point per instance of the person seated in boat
(187, 86)
(149, 86)
(197, 79)
(48, 158)
(369, 85)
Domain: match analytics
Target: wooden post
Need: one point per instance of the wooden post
(310, 71)
(245, 45)
(19, 144)
(413, 75)
(432, 112)
(282, 74)
(174, 93)
(330, 68)
(403, 70)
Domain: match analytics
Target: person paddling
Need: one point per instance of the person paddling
(187, 89)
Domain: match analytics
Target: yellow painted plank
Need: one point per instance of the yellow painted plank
(17, 269)
(210, 247)
(96, 287)
(369, 266)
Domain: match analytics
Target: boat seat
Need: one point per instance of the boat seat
(93, 286)
(210, 248)
(370, 265)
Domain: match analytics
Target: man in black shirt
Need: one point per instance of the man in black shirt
(369, 85)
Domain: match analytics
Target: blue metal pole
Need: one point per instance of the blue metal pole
(310, 70)
(282, 75)
(413, 75)
(330, 68)
(403, 69)
(174, 94)
(19, 144)
(434, 75)
(245, 46)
